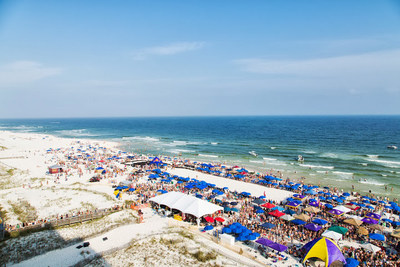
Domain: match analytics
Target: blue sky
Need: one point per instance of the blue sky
(185, 58)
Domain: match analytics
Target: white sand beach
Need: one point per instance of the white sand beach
(32, 192)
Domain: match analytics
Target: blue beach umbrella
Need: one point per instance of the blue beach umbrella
(226, 230)
(268, 225)
(320, 221)
(298, 222)
(350, 262)
(208, 227)
(375, 236)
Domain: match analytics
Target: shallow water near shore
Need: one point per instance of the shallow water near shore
(339, 151)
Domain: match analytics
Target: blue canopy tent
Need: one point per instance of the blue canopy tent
(156, 161)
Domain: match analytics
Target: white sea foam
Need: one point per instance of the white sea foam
(364, 164)
(373, 156)
(384, 175)
(387, 163)
(343, 173)
(317, 166)
(76, 132)
(276, 163)
(257, 161)
(273, 147)
(330, 155)
(268, 159)
(142, 138)
(180, 143)
(371, 182)
(177, 151)
(208, 156)
(309, 152)
(214, 143)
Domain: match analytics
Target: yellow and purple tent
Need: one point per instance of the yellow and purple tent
(325, 249)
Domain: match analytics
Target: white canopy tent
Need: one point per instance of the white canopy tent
(332, 234)
(186, 204)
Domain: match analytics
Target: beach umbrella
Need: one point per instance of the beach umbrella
(342, 208)
(290, 212)
(278, 208)
(264, 241)
(362, 231)
(373, 216)
(227, 209)
(241, 238)
(378, 237)
(237, 230)
(268, 205)
(219, 219)
(325, 249)
(314, 204)
(233, 203)
(370, 247)
(338, 229)
(369, 220)
(208, 227)
(311, 192)
(268, 225)
(276, 213)
(329, 206)
(209, 219)
(303, 217)
(278, 247)
(353, 221)
(259, 211)
(332, 235)
(287, 217)
(251, 237)
(376, 227)
(350, 262)
(370, 207)
(312, 209)
(293, 204)
(346, 194)
(320, 221)
(313, 227)
(298, 222)
(234, 209)
(258, 201)
(226, 230)
(335, 212)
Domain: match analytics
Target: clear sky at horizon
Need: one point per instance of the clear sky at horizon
(187, 58)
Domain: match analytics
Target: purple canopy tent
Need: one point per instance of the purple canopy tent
(278, 247)
(313, 227)
(373, 216)
(264, 241)
(335, 212)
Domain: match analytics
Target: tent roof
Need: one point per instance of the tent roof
(55, 167)
(186, 203)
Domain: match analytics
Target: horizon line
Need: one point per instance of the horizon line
(205, 116)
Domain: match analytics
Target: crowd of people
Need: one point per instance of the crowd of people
(90, 158)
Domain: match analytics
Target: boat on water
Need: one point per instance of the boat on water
(253, 153)
(392, 147)
(300, 158)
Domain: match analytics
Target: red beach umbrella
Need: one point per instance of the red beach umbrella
(268, 205)
(219, 219)
(209, 219)
(276, 213)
